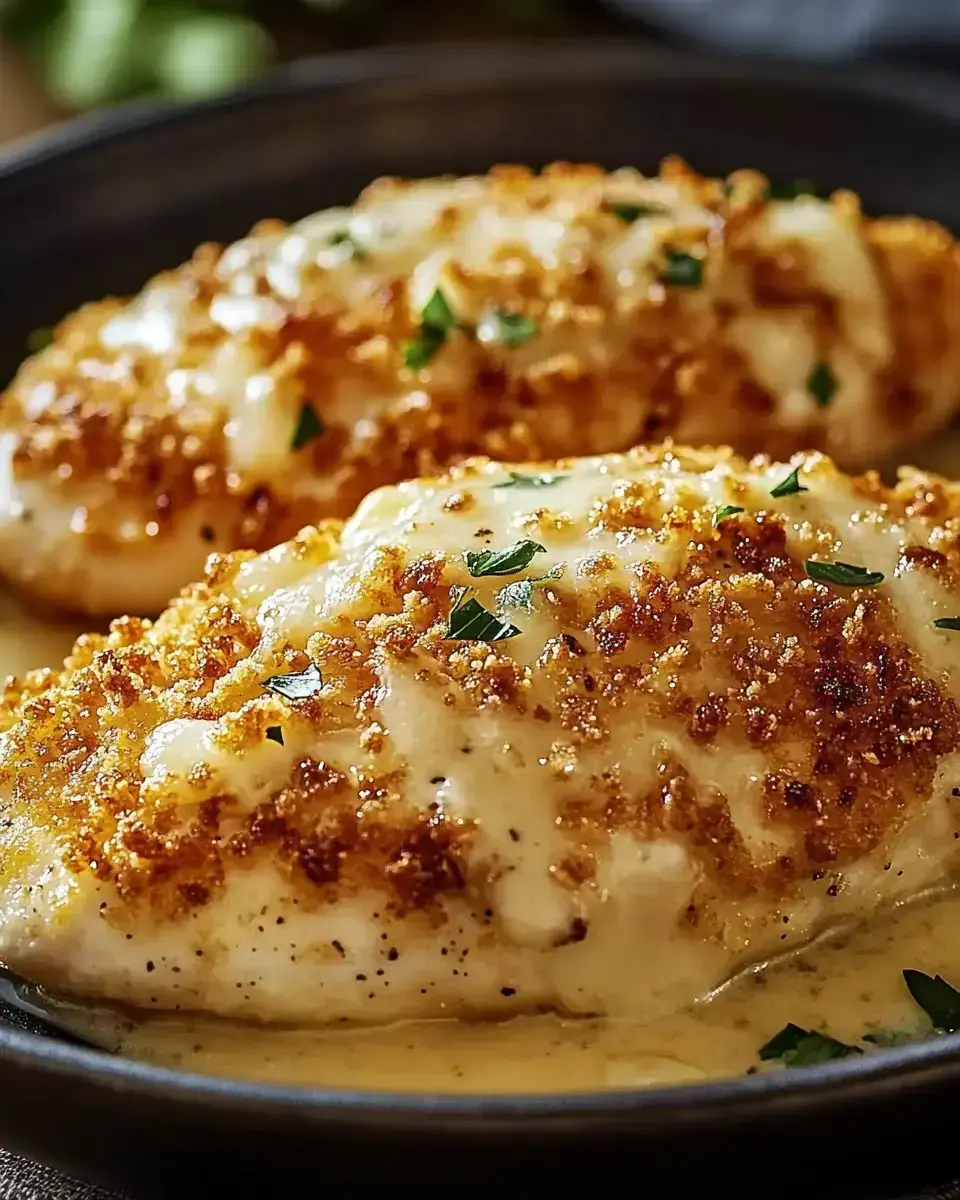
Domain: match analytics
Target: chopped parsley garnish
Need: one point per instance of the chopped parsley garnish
(310, 426)
(436, 321)
(296, 685)
(470, 620)
(502, 562)
(39, 339)
(629, 213)
(275, 734)
(822, 383)
(519, 594)
(728, 510)
(345, 238)
(790, 486)
(947, 622)
(437, 313)
(681, 270)
(938, 999)
(843, 574)
(795, 1046)
(787, 1040)
(511, 329)
(889, 1037)
(419, 351)
(517, 479)
(790, 191)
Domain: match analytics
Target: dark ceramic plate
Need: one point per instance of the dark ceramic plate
(99, 206)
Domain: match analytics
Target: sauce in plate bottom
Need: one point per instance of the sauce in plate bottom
(847, 985)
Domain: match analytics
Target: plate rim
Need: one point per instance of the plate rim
(466, 63)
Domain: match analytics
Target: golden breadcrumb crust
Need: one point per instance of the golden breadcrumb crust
(739, 645)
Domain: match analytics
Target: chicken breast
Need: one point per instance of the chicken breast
(589, 737)
(276, 382)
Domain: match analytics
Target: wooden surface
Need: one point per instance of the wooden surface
(23, 107)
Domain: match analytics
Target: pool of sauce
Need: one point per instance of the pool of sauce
(847, 985)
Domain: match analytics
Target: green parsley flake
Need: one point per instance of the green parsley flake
(843, 574)
(310, 426)
(354, 249)
(681, 270)
(795, 1046)
(938, 999)
(437, 313)
(420, 350)
(518, 594)
(947, 622)
(628, 213)
(822, 383)
(790, 486)
(470, 621)
(296, 685)
(889, 1037)
(511, 329)
(502, 562)
(728, 510)
(436, 321)
(517, 479)
(792, 191)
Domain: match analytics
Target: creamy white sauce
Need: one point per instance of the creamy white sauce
(848, 985)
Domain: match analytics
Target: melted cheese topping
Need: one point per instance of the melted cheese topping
(154, 430)
(691, 757)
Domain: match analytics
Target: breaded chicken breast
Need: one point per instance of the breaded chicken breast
(274, 383)
(589, 736)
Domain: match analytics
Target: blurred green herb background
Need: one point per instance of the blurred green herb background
(90, 53)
